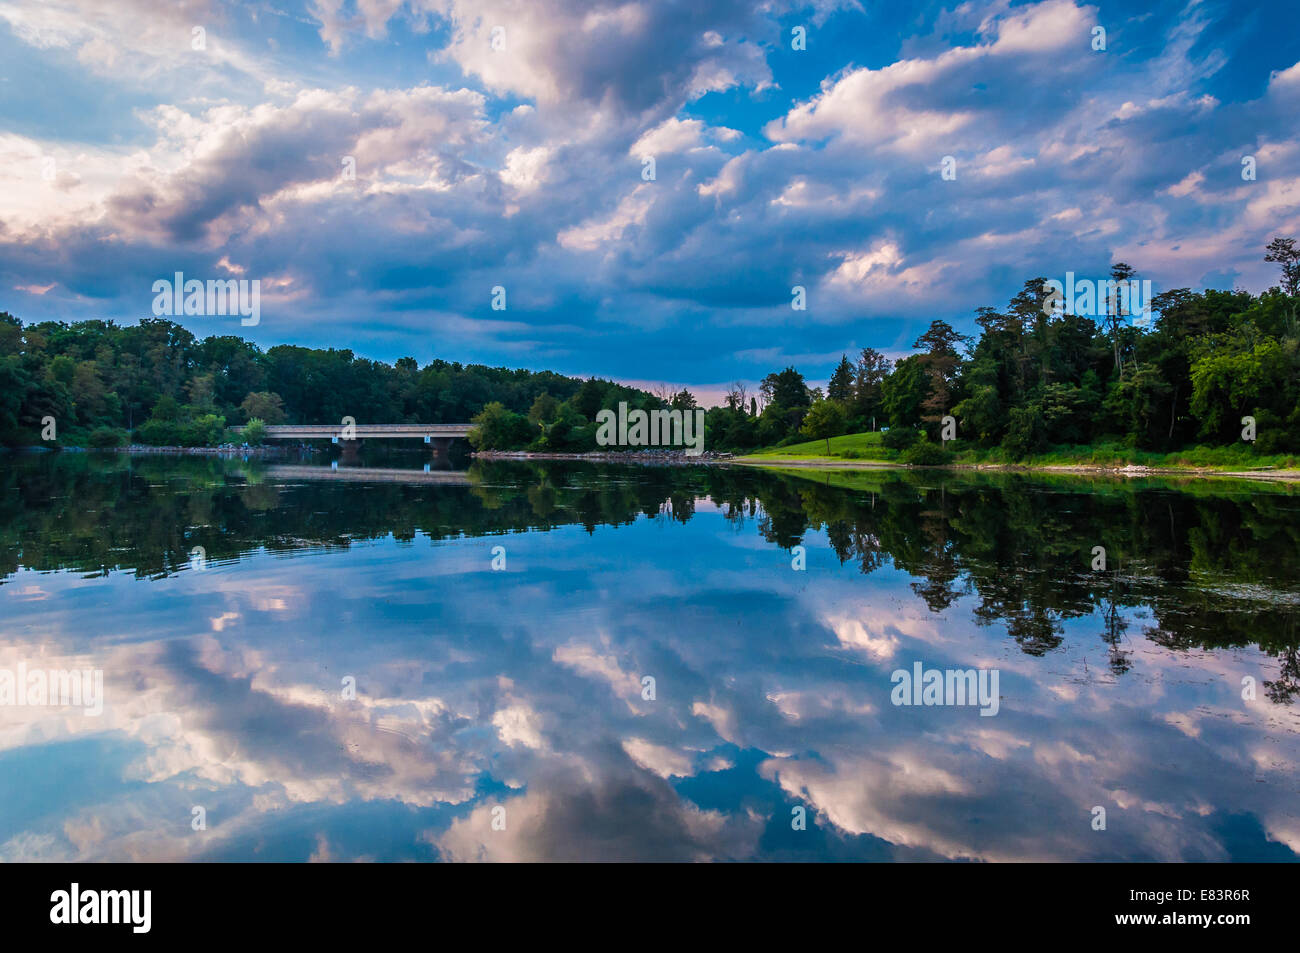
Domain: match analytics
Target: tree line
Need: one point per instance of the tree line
(1038, 376)
(1035, 377)
(157, 383)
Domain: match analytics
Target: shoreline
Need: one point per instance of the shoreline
(653, 458)
(1082, 469)
(678, 458)
(142, 449)
(211, 451)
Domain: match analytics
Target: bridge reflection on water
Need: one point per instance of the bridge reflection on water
(346, 474)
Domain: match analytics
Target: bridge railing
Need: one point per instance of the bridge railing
(362, 431)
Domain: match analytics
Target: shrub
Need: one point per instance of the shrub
(255, 432)
(925, 453)
(496, 428)
(900, 438)
(160, 433)
(105, 438)
(205, 430)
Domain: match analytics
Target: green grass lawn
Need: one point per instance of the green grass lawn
(867, 447)
(854, 446)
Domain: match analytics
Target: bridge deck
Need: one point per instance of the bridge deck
(363, 431)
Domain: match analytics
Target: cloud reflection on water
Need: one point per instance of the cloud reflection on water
(521, 689)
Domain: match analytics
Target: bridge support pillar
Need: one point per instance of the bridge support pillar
(350, 450)
(440, 446)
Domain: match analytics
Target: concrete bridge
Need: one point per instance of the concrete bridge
(437, 436)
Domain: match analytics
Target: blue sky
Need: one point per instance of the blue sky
(129, 155)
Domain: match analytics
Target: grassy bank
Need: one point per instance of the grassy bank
(866, 449)
(857, 446)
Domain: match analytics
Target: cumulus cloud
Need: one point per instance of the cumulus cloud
(518, 161)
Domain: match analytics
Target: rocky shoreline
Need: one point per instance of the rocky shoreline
(654, 458)
(225, 449)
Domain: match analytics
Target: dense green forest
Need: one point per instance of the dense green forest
(157, 383)
(1034, 378)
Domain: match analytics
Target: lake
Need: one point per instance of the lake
(575, 661)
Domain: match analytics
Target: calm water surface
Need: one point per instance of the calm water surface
(522, 687)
